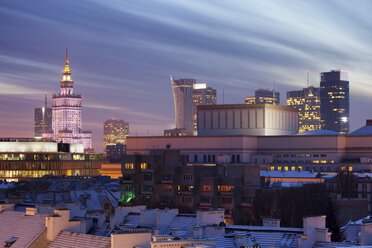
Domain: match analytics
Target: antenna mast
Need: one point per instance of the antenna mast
(307, 79)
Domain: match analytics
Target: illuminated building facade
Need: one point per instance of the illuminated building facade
(66, 109)
(334, 101)
(187, 96)
(201, 95)
(30, 158)
(307, 101)
(182, 93)
(115, 132)
(42, 121)
(264, 96)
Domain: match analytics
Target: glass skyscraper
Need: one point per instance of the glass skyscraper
(264, 96)
(307, 101)
(334, 101)
(115, 132)
(201, 95)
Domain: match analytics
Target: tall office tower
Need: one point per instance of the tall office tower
(67, 123)
(43, 120)
(334, 101)
(307, 101)
(201, 95)
(182, 93)
(115, 132)
(264, 96)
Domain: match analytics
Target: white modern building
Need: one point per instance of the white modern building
(66, 118)
(182, 92)
(187, 96)
(247, 119)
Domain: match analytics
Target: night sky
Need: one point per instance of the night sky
(122, 52)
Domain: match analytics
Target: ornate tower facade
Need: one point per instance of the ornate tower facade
(67, 121)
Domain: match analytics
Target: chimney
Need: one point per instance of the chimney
(240, 240)
(268, 222)
(366, 234)
(198, 232)
(31, 211)
(9, 207)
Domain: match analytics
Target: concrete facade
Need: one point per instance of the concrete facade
(247, 119)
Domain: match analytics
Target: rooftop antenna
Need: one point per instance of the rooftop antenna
(223, 96)
(46, 101)
(307, 79)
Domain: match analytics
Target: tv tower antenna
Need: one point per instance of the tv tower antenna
(46, 101)
(307, 79)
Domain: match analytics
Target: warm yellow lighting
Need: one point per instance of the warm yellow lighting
(128, 166)
(144, 166)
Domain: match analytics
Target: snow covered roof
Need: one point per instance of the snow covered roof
(70, 239)
(288, 174)
(93, 200)
(262, 239)
(25, 227)
(362, 175)
(263, 228)
(184, 222)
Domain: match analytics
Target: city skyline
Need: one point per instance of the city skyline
(119, 49)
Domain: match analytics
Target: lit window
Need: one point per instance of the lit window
(128, 166)
(144, 166)
(286, 168)
(206, 188)
(350, 168)
(279, 168)
(225, 188)
(316, 161)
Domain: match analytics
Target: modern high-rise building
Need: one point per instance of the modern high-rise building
(201, 95)
(334, 101)
(115, 132)
(264, 96)
(307, 101)
(182, 93)
(187, 95)
(67, 121)
(43, 120)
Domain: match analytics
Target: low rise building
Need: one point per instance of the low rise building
(318, 150)
(22, 158)
(165, 179)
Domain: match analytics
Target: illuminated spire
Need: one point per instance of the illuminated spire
(67, 69)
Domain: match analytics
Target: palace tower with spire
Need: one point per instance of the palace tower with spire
(66, 113)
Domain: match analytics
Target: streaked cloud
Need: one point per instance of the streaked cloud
(123, 51)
